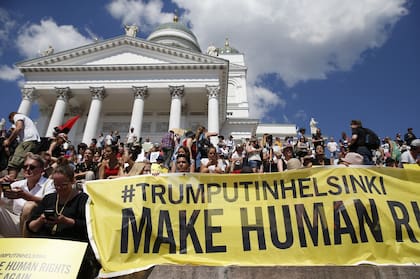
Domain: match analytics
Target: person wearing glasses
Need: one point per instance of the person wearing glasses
(24, 195)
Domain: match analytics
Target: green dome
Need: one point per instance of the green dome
(227, 49)
(175, 34)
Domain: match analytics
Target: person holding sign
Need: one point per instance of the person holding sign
(62, 215)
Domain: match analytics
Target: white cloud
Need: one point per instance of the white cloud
(297, 40)
(262, 100)
(300, 115)
(144, 15)
(37, 37)
(6, 26)
(8, 73)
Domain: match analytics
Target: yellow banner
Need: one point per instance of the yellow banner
(37, 258)
(317, 216)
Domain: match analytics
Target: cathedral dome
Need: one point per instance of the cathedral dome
(227, 49)
(175, 34)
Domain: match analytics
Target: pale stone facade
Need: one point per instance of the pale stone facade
(163, 82)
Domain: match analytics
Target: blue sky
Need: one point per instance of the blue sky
(333, 60)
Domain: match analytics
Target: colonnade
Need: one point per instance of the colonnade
(98, 94)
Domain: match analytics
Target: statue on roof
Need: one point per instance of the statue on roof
(312, 124)
(212, 50)
(48, 51)
(131, 30)
(175, 19)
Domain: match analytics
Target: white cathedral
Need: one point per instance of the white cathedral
(154, 85)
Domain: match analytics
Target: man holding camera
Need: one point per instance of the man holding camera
(20, 197)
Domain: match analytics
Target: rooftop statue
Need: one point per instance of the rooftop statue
(313, 126)
(48, 51)
(131, 30)
(212, 50)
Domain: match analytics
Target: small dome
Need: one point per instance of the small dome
(227, 49)
(175, 34)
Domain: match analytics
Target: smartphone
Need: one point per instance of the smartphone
(5, 186)
(50, 214)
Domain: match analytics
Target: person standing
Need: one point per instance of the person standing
(168, 147)
(317, 138)
(358, 142)
(409, 136)
(253, 150)
(131, 138)
(344, 144)
(332, 147)
(411, 156)
(29, 140)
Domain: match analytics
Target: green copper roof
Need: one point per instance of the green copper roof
(227, 49)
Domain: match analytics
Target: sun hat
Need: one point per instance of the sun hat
(294, 164)
(353, 158)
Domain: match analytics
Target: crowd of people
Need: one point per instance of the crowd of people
(41, 193)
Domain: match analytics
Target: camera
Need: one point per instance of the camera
(50, 214)
(5, 186)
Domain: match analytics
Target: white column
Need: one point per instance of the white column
(43, 119)
(57, 117)
(140, 94)
(213, 108)
(177, 92)
(98, 94)
(28, 94)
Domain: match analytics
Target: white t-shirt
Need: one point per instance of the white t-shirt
(43, 187)
(212, 168)
(332, 146)
(407, 158)
(29, 131)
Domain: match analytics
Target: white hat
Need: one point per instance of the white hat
(415, 143)
(293, 164)
(353, 158)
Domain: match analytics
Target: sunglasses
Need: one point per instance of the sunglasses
(178, 162)
(30, 167)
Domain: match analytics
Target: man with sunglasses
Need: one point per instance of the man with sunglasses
(17, 202)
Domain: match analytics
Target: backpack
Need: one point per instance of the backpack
(203, 146)
(372, 141)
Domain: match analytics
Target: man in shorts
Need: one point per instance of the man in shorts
(29, 140)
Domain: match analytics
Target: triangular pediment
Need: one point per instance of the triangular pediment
(121, 50)
(126, 58)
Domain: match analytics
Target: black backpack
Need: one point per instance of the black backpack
(372, 141)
